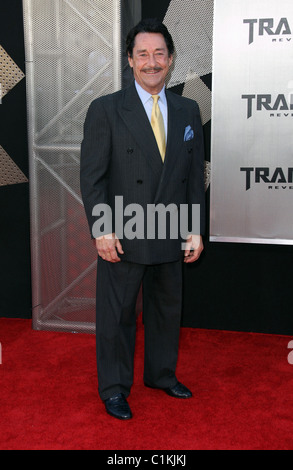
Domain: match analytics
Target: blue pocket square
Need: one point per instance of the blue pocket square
(188, 133)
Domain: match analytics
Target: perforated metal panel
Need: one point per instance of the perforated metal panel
(10, 173)
(10, 73)
(190, 23)
(73, 55)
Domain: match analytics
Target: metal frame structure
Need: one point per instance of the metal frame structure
(73, 55)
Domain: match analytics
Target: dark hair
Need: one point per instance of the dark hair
(149, 25)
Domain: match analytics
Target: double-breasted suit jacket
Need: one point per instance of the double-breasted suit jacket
(120, 157)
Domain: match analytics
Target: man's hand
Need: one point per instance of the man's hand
(193, 248)
(108, 246)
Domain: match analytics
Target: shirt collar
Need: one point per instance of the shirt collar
(145, 96)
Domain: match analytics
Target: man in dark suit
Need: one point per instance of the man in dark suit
(126, 169)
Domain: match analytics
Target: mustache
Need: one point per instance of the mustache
(152, 69)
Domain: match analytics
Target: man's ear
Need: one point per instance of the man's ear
(130, 61)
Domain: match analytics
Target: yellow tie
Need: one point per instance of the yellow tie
(157, 123)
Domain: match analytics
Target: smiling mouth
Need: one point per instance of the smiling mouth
(152, 71)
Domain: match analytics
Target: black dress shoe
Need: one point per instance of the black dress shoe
(178, 391)
(118, 407)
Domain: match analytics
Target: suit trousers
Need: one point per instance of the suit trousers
(118, 286)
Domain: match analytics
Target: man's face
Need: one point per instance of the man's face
(150, 61)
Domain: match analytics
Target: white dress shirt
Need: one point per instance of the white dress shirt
(147, 101)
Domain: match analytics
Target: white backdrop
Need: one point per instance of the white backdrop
(252, 117)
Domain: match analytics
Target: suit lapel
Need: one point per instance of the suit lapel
(133, 114)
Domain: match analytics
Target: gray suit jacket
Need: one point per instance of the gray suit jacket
(120, 157)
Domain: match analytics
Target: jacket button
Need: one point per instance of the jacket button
(183, 181)
(139, 181)
(129, 150)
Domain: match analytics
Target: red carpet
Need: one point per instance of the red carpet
(242, 384)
